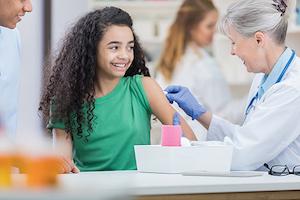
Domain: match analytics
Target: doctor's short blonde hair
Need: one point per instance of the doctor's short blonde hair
(250, 16)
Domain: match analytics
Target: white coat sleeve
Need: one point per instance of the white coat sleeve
(273, 126)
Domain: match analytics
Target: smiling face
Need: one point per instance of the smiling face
(203, 32)
(11, 11)
(249, 49)
(115, 52)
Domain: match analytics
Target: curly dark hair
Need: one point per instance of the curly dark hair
(71, 84)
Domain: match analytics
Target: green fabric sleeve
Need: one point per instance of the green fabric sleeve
(139, 89)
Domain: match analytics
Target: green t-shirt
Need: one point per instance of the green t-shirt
(121, 120)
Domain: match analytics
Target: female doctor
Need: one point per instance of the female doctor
(271, 130)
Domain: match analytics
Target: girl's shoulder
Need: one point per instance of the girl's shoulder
(139, 86)
(148, 84)
(134, 80)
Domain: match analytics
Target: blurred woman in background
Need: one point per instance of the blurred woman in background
(184, 60)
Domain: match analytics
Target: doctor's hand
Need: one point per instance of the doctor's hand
(186, 101)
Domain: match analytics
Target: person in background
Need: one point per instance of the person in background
(101, 96)
(270, 133)
(11, 12)
(184, 61)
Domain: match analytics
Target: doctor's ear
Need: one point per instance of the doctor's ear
(260, 38)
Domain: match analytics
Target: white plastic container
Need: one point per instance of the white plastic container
(205, 156)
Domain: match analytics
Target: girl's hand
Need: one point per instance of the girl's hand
(67, 166)
(63, 147)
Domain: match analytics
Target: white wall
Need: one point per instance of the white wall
(64, 13)
(31, 30)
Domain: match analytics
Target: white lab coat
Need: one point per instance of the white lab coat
(271, 132)
(199, 72)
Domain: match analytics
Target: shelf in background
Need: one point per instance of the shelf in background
(146, 8)
(294, 29)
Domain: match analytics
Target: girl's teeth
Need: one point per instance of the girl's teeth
(119, 65)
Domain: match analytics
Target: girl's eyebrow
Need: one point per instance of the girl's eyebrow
(118, 42)
(114, 42)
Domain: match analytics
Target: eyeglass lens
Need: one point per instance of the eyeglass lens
(281, 170)
(296, 170)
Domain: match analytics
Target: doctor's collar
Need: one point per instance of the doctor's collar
(271, 78)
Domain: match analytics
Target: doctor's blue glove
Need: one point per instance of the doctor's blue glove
(186, 101)
(176, 119)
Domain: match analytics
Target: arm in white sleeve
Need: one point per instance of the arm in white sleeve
(271, 128)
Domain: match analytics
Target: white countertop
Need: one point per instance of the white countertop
(156, 184)
(104, 185)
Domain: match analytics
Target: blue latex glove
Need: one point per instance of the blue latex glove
(176, 119)
(186, 101)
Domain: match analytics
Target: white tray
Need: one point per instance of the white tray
(162, 159)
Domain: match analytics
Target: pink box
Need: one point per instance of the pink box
(171, 135)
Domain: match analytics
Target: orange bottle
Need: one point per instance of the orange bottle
(6, 159)
(40, 164)
(42, 171)
(5, 170)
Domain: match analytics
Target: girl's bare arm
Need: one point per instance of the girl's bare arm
(64, 147)
(161, 107)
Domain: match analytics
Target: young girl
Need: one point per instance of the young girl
(101, 95)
